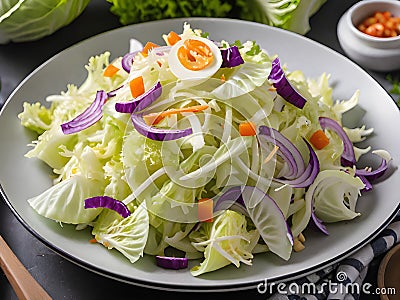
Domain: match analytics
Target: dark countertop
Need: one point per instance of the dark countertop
(60, 277)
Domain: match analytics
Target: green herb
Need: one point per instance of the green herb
(394, 79)
(238, 44)
(255, 49)
(205, 35)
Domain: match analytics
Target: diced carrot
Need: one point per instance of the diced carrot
(173, 38)
(137, 86)
(149, 46)
(93, 241)
(155, 118)
(205, 210)
(223, 78)
(110, 71)
(247, 129)
(319, 139)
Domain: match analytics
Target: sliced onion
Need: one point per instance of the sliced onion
(367, 184)
(287, 150)
(113, 93)
(231, 199)
(140, 102)
(90, 116)
(283, 86)
(174, 263)
(320, 225)
(127, 60)
(108, 202)
(160, 51)
(371, 175)
(348, 158)
(309, 174)
(157, 134)
(231, 57)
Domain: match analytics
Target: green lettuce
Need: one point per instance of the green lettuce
(64, 202)
(36, 117)
(127, 235)
(292, 15)
(225, 241)
(335, 194)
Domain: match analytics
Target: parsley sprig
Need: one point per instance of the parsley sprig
(394, 80)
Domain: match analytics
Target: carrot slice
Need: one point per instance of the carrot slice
(155, 118)
(110, 71)
(173, 38)
(319, 139)
(247, 129)
(148, 47)
(205, 210)
(137, 86)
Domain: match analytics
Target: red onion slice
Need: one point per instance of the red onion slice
(89, 117)
(113, 93)
(367, 184)
(371, 175)
(127, 60)
(160, 51)
(231, 199)
(155, 133)
(174, 263)
(140, 102)
(309, 174)
(348, 158)
(320, 225)
(283, 86)
(287, 150)
(108, 202)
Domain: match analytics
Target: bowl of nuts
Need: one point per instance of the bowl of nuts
(369, 34)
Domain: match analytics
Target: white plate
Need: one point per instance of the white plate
(22, 178)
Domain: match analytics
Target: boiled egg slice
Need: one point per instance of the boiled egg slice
(194, 58)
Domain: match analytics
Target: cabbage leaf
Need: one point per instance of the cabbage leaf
(23, 20)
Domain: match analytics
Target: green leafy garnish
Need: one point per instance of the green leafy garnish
(292, 15)
(255, 49)
(394, 79)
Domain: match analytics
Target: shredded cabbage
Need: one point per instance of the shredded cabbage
(163, 182)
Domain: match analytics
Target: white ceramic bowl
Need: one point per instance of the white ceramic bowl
(375, 53)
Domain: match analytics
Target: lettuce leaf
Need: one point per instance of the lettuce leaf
(224, 241)
(36, 117)
(335, 194)
(127, 235)
(64, 202)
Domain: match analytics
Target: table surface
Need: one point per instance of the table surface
(60, 277)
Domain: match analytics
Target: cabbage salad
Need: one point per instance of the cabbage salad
(211, 151)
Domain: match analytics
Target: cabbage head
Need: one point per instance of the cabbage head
(29, 20)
